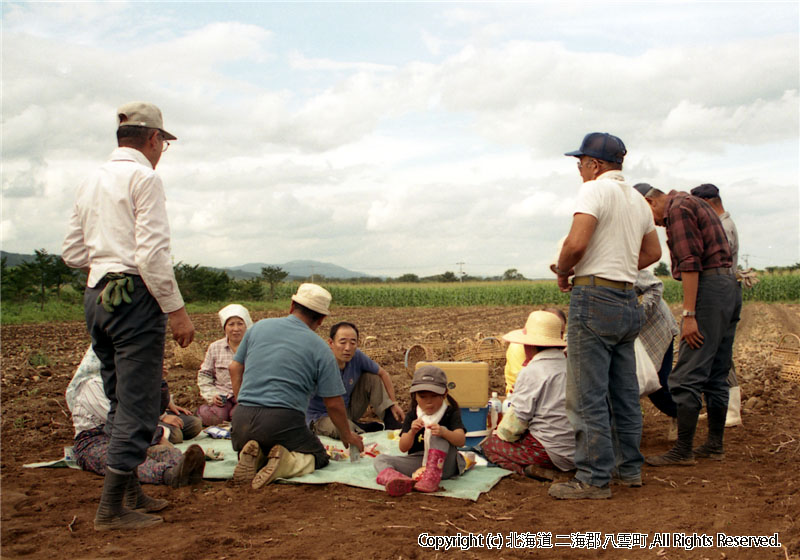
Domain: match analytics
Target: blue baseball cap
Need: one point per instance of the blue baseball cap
(601, 145)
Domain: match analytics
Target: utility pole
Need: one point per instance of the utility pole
(746, 264)
(312, 273)
(461, 271)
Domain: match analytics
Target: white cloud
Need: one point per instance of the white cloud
(290, 149)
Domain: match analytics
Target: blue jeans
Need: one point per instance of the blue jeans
(602, 390)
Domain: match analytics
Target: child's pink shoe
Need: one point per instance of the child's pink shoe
(397, 484)
(429, 482)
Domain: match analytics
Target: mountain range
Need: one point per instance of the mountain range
(298, 270)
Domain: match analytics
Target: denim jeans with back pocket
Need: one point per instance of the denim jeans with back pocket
(602, 390)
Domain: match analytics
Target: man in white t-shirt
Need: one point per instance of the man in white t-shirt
(611, 238)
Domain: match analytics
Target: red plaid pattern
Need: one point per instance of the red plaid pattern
(515, 456)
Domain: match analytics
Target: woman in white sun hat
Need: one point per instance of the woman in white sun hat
(535, 437)
(214, 379)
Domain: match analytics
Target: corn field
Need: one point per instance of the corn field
(771, 288)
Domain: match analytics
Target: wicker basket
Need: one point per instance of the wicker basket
(417, 353)
(791, 372)
(490, 349)
(788, 349)
(787, 353)
(464, 351)
(372, 349)
(434, 340)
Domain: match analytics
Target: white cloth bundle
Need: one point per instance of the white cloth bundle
(429, 420)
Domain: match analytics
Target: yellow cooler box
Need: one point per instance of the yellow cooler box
(467, 382)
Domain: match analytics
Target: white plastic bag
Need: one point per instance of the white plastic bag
(646, 372)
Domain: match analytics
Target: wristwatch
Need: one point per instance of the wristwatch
(687, 313)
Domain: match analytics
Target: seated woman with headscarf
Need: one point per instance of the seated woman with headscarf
(214, 379)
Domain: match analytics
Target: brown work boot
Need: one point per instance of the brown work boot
(539, 473)
(277, 458)
(282, 463)
(189, 469)
(251, 458)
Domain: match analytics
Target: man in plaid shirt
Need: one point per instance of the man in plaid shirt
(701, 260)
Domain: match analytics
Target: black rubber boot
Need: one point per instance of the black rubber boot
(681, 454)
(111, 514)
(135, 498)
(713, 447)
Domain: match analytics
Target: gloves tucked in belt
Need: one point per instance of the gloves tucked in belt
(117, 290)
(747, 277)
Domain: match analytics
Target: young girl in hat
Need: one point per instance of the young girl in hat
(431, 434)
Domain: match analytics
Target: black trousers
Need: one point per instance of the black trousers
(704, 371)
(276, 426)
(130, 345)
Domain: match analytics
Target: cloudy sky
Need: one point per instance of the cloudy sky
(403, 137)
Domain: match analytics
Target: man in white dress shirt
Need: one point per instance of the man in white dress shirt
(119, 233)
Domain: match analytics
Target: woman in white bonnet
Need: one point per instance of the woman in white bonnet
(213, 378)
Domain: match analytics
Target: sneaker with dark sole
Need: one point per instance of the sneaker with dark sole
(578, 490)
(250, 459)
(271, 470)
(539, 473)
(670, 458)
(705, 452)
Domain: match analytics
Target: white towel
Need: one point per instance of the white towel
(429, 420)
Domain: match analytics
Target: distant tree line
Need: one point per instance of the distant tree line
(45, 275)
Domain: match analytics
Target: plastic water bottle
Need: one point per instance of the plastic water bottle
(506, 407)
(495, 411)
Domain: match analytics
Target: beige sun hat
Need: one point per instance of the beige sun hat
(139, 113)
(316, 298)
(235, 310)
(541, 329)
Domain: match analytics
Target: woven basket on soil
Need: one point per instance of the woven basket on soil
(190, 358)
(464, 350)
(490, 349)
(791, 372)
(788, 349)
(372, 349)
(417, 353)
(787, 353)
(434, 340)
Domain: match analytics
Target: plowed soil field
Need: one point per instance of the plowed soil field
(48, 513)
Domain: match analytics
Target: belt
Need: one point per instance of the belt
(714, 271)
(597, 281)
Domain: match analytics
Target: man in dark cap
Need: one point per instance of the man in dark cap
(611, 238)
(701, 260)
(710, 193)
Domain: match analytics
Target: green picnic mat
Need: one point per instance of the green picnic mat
(469, 486)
